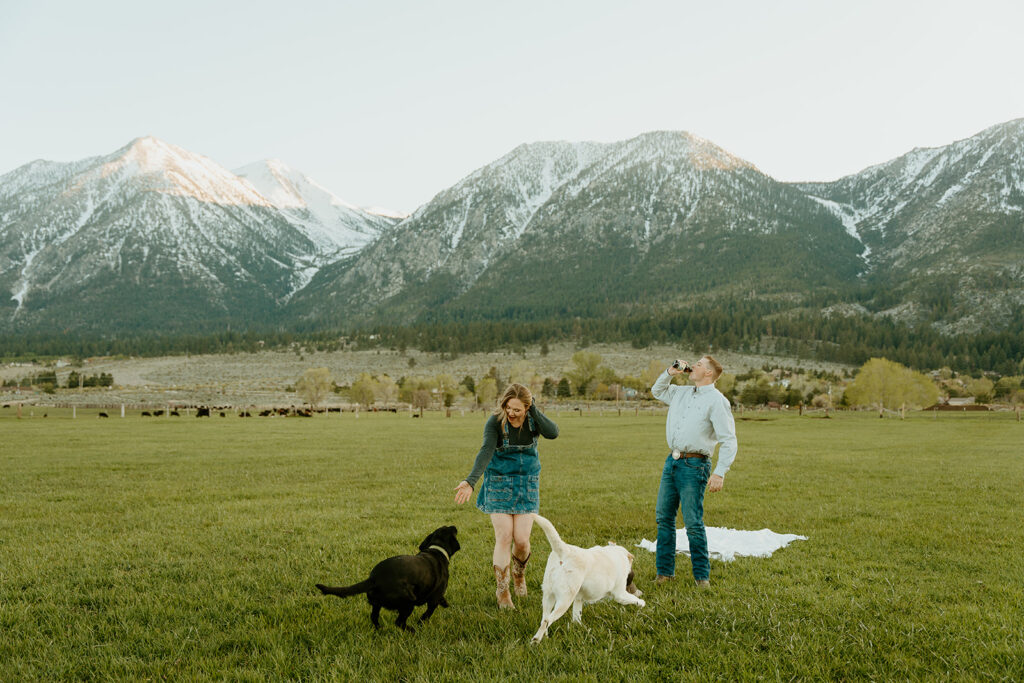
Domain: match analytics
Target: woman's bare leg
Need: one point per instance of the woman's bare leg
(503, 534)
(522, 525)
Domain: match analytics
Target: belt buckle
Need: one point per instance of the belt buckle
(676, 454)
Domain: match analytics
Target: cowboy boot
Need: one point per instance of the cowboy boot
(519, 575)
(501, 578)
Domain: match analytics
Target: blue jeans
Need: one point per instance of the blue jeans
(683, 482)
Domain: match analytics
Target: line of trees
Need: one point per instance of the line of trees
(48, 381)
(879, 383)
(755, 326)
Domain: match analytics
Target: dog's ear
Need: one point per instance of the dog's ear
(453, 540)
(429, 540)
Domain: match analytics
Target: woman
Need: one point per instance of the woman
(510, 492)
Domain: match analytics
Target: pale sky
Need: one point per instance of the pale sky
(387, 103)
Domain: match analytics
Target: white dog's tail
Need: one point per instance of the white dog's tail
(557, 544)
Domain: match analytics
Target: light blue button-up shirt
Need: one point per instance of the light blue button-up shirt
(698, 418)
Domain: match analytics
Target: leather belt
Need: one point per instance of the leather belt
(676, 454)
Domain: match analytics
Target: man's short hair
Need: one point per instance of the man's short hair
(716, 366)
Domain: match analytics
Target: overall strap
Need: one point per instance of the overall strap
(504, 434)
(533, 431)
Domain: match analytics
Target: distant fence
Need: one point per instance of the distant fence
(566, 409)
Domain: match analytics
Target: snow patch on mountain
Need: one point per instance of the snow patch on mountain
(849, 218)
(332, 224)
(384, 213)
(457, 235)
(915, 162)
(23, 282)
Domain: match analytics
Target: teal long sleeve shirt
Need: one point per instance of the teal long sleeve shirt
(517, 437)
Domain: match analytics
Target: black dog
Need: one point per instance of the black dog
(405, 581)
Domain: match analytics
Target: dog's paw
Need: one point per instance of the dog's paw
(640, 603)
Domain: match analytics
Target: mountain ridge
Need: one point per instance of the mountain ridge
(153, 236)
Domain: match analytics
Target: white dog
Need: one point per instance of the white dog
(575, 576)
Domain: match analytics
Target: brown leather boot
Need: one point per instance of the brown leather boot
(501, 578)
(519, 574)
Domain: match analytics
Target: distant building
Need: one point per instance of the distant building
(958, 403)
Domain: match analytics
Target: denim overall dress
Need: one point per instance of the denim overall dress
(512, 479)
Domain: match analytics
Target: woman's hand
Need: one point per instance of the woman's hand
(463, 492)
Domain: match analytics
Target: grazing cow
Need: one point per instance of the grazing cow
(415, 415)
(158, 413)
(265, 413)
(145, 413)
(202, 411)
(103, 415)
(174, 413)
(223, 415)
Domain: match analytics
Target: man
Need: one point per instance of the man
(699, 416)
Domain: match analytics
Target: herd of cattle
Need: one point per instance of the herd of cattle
(224, 411)
(209, 411)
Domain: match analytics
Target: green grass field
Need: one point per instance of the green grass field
(187, 549)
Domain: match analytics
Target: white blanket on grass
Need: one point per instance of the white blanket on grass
(728, 544)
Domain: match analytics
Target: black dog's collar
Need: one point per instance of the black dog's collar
(441, 550)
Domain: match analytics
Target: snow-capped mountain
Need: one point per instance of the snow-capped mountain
(154, 236)
(335, 226)
(943, 223)
(561, 226)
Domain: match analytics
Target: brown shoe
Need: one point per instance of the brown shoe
(519, 575)
(659, 579)
(501, 578)
(704, 584)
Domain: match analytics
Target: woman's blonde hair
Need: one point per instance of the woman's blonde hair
(511, 392)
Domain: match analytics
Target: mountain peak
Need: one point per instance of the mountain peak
(702, 153)
(286, 187)
(330, 222)
(150, 153)
(159, 166)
